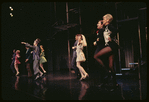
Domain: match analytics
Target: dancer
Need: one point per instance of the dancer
(36, 58)
(73, 62)
(42, 58)
(17, 62)
(110, 47)
(100, 43)
(38, 40)
(80, 55)
(28, 61)
(13, 60)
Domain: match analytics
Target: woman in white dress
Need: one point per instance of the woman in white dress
(80, 55)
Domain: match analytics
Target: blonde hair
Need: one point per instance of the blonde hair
(18, 51)
(108, 17)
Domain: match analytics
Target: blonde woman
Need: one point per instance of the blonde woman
(80, 55)
(110, 48)
(42, 58)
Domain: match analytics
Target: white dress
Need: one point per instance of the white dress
(80, 54)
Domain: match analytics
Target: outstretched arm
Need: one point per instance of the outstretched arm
(27, 44)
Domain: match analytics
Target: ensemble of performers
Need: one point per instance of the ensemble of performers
(106, 43)
(34, 54)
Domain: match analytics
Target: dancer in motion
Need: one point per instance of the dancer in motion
(36, 58)
(13, 60)
(80, 55)
(110, 48)
(73, 62)
(42, 58)
(28, 61)
(100, 43)
(17, 62)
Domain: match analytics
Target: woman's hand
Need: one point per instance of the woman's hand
(109, 39)
(73, 47)
(26, 60)
(23, 42)
(94, 43)
(97, 39)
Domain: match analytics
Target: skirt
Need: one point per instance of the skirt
(99, 47)
(113, 45)
(80, 57)
(43, 59)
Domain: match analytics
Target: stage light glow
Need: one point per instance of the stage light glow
(11, 14)
(11, 8)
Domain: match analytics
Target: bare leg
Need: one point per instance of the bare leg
(111, 58)
(102, 52)
(17, 69)
(78, 65)
(41, 65)
(82, 71)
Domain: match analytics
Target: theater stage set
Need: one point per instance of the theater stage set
(56, 24)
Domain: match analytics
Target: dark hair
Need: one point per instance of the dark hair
(79, 35)
(101, 21)
(38, 40)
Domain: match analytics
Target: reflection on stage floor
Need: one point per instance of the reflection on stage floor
(65, 86)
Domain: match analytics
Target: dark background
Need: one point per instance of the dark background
(34, 20)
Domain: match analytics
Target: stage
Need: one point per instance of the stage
(64, 85)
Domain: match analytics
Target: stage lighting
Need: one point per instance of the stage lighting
(11, 14)
(11, 8)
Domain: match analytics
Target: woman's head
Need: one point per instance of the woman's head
(107, 19)
(18, 51)
(79, 36)
(38, 40)
(100, 24)
(14, 50)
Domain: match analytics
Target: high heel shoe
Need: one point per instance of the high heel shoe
(82, 78)
(86, 75)
(44, 72)
(17, 74)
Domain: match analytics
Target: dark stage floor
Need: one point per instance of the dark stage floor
(64, 86)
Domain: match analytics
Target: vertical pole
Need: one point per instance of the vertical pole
(118, 40)
(80, 18)
(68, 38)
(139, 59)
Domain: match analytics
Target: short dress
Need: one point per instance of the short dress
(80, 54)
(17, 60)
(42, 58)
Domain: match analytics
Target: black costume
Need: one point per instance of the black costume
(101, 42)
(113, 31)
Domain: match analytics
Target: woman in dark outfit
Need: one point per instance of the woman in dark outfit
(110, 48)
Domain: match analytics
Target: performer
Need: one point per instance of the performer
(13, 60)
(80, 55)
(111, 46)
(28, 61)
(36, 59)
(38, 40)
(73, 62)
(100, 43)
(42, 58)
(17, 62)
